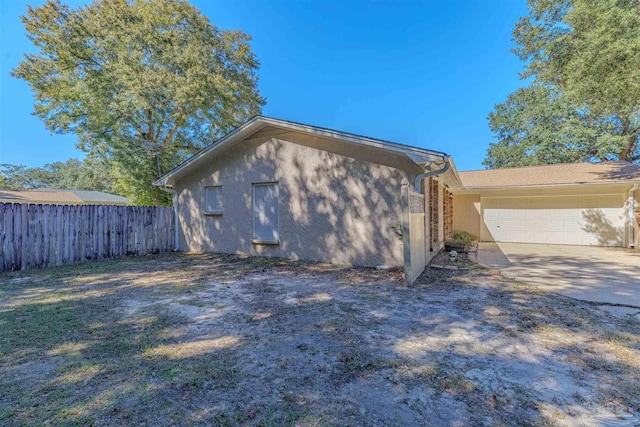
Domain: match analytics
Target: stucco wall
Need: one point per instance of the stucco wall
(333, 207)
(466, 213)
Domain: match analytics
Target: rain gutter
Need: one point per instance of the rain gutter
(429, 173)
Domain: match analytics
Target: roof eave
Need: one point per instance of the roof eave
(570, 184)
(415, 154)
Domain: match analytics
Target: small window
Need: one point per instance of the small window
(265, 214)
(213, 200)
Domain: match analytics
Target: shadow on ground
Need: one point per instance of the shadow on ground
(222, 340)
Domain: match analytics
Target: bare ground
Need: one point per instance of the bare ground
(223, 340)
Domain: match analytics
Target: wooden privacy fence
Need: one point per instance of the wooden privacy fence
(34, 236)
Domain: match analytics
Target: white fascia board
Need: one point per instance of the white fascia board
(478, 190)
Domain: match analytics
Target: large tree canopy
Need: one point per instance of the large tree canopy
(142, 83)
(587, 52)
(537, 125)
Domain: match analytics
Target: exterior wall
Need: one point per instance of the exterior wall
(448, 214)
(436, 214)
(332, 207)
(466, 213)
(440, 241)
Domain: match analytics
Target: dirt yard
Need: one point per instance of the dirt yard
(221, 340)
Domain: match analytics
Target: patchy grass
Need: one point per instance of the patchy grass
(185, 339)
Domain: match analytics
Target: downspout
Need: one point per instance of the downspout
(419, 178)
(631, 217)
(176, 231)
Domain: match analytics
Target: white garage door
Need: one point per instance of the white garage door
(569, 220)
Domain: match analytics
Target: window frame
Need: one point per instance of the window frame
(255, 240)
(206, 204)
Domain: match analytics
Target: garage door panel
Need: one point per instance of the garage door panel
(577, 220)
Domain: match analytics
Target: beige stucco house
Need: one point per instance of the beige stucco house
(278, 188)
(575, 204)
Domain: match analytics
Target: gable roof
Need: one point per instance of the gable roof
(62, 197)
(559, 174)
(417, 155)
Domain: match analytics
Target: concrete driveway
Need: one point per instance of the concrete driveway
(589, 273)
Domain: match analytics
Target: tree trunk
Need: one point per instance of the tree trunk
(627, 153)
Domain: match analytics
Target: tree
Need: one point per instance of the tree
(89, 174)
(142, 83)
(588, 51)
(19, 177)
(537, 125)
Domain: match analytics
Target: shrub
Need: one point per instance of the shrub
(462, 239)
(465, 236)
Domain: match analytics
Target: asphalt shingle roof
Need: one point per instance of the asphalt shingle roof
(55, 196)
(566, 173)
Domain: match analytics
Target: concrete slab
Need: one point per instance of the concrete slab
(590, 273)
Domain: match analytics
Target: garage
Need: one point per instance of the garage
(569, 220)
(590, 204)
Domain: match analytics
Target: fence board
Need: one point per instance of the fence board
(34, 224)
(8, 244)
(17, 241)
(35, 236)
(2, 235)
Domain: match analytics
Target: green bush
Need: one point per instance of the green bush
(461, 239)
(465, 236)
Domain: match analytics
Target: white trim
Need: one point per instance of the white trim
(571, 184)
(253, 217)
(526, 196)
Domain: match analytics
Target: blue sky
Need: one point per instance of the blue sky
(424, 73)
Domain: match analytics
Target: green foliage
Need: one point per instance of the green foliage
(462, 239)
(465, 236)
(585, 103)
(143, 84)
(19, 177)
(590, 48)
(538, 125)
(89, 174)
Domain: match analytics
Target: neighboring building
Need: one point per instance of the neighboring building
(278, 188)
(574, 204)
(50, 196)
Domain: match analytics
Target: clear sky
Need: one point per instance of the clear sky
(424, 73)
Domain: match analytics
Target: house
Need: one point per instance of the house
(574, 204)
(50, 196)
(277, 188)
